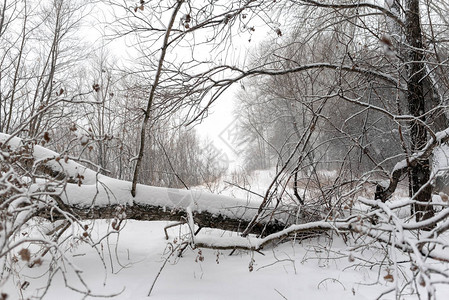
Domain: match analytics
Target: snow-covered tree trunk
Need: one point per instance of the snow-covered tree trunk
(68, 190)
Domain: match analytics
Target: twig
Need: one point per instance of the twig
(281, 294)
(162, 267)
(170, 226)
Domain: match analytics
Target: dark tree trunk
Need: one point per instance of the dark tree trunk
(146, 212)
(420, 172)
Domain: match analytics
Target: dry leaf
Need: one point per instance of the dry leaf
(25, 254)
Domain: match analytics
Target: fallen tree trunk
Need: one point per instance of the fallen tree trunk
(85, 194)
(145, 212)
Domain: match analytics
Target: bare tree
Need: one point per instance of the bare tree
(35, 60)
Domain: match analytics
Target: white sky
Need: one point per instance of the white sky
(220, 118)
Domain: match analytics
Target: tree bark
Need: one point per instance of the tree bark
(420, 172)
(151, 97)
(144, 212)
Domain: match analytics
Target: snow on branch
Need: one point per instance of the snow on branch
(255, 243)
(385, 192)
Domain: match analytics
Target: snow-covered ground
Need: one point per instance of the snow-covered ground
(133, 258)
